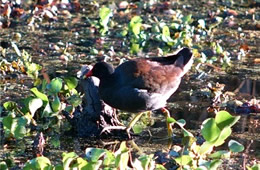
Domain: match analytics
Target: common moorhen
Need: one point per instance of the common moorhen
(142, 84)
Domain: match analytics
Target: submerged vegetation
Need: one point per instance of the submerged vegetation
(43, 44)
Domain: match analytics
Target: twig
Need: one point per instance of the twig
(246, 154)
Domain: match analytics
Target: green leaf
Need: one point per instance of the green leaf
(187, 19)
(183, 160)
(135, 20)
(160, 167)
(104, 14)
(219, 49)
(109, 158)
(215, 164)
(7, 122)
(235, 146)
(10, 105)
(171, 120)
(74, 100)
(224, 119)
(166, 31)
(3, 165)
(40, 95)
(80, 164)
(56, 104)
(55, 85)
(93, 154)
(220, 154)
(18, 127)
(34, 105)
(181, 122)
(146, 161)
(122, 160)
(210, 130)
(122, 156)
(67, 159)
(224, 134)
(138, 128)
(55, 141)
(71, 82)
(136, 28)
(135, 48)
(42, 163)
(206, 147)
(47, 111)
(254, 167)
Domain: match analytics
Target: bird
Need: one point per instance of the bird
(142, 84)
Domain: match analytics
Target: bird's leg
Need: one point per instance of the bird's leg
(169, 126)
(132, 123)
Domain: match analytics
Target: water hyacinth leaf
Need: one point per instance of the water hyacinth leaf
(122, 156)
(186, 133)
(56, 104)
(38, 163)
(206, 147)
(3, 165)
(187, 19)
(160, 167)
(181, 122)
(10, 105)
(183, 160)
(55, 85)
(71, 82)
(171, 120)
(135, 48)
(175, 26)
(93, 154)
(47, 110)
(124, 32)
(40, 95)
(74, 100)
(210, 130)
(65, 156)
(104, 14)
(80, 163)
(109, 158)
(235, 146)
(33, 69)
(220, 154)
(34, 105)
(219, 49)
(55, 141)
(136, 29)
(224, 119)
(68, 158)
(122, 160)
(147, 161)
(7, 122)
(135, 20)
(202, 168)
(93, 165)
(224, 134)
(138, 128)
(18, 127)
(215, 164)
(254, 167)
(166, 31)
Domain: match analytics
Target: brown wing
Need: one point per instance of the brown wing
(147, 75)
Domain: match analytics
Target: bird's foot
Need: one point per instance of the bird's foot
(127, 129)
(107, 129)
